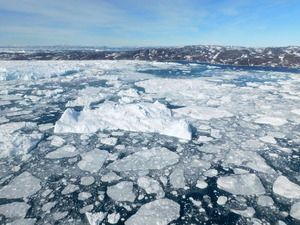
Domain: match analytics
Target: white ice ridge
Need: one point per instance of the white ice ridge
(141, 117)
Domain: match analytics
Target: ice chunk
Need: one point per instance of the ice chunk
(109, 141)
(86, 181)
(109, 177)
(265, 201)
(295, 211)
(151, 186)
(113, 218)
(16, 142)
(203, 113)
(201, 184)
(268, 139)
(296, 111)
(143, 117)
(92, 161)
(222, 200)
(275, 121)
(66, 151)
(48, 206)
(57, 141)
(244, 184)
(284, 187)
(249, 212)
(161, 211)
(23, 222)
(70, 188)
(84, 195)
(95, 218)
(177, 178)
(86, 209)
(16, 210)
(121, 192)
(22, 186)
(157, 158)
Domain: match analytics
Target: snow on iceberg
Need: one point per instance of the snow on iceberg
(141, 117)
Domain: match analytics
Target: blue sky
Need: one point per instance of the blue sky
(118, 23)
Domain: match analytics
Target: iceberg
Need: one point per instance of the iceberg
(141, 117)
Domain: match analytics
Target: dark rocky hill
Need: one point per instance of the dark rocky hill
(226, 55)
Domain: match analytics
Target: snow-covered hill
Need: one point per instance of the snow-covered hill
(227, 55)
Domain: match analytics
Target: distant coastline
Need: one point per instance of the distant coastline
(221, 55)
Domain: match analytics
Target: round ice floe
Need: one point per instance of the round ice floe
(161, 211)
(222, 200)
(284, 187)
(295, 211)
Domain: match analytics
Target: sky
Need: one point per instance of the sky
(118, 23)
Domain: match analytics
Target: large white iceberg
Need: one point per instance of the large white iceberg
(143, 117)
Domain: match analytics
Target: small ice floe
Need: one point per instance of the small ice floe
(264, 200)
(15, 210)
(161, 211)
(244, 184)
(66, 151)
(295, 211)
(95, 218)
(86, 181)
(22, 186)
(248, 212)
(151, 186)
(177, 179)
(57, 141)
(113, 218)
(14, 139)
(203, 113)
(70, 188)
(110, 177)
(111, 141)
(156, 158)
(222, 200)
(285, 188)
(92, 161)
(121, 192)
(274, 121)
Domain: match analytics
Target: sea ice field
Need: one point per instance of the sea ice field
(148, 143)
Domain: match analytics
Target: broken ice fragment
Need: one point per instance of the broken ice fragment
(157, 158)
(22, 186)
(66, 151)
(244, 184)
(275, 121)
(284, 187)
(16, 210)
(121, 192)
(161, 212)
(92, 161)
(151, 186)
(177, 178)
